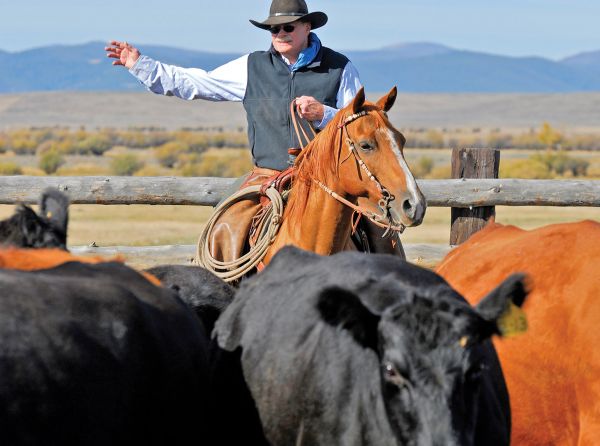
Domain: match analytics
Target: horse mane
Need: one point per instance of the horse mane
(321, 158)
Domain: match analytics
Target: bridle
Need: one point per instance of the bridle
(383, 220)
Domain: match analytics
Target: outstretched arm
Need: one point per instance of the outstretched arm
(225, 83)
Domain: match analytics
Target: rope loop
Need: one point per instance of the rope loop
(236, 269)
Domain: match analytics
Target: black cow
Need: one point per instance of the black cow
(197, 389)
(97, 355)
(357, 349)
(200, 289)
(26, 229)
(233, 417)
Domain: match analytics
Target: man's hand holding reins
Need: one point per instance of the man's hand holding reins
(309, 108)
(126, 54)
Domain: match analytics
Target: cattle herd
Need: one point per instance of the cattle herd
(348, 349)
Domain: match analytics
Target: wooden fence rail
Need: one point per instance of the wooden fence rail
(207, 191)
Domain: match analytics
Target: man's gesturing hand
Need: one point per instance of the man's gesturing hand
(309, 108)
(126, 54)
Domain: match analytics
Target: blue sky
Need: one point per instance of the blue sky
(548, 28)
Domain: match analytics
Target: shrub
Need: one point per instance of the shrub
(23, 146)
(528, 169)
(195, 142)
(499, 141)
(141, 138)
(593, 172)
(576, 167)
(548, 136)
(125, 164)
(583, 142)
(527, 141)
(422, 167)
(46, 146)
(4, 144)
(435, 139)
(168, 153)
(559, 163)
(223, 163)
(95, 144)
(50, 161)
(10, 168)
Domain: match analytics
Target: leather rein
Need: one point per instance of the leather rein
(383, 220)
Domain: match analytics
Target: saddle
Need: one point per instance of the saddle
(238, 228)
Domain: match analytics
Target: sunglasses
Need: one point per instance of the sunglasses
(287, 28)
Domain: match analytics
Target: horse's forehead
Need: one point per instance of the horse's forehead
(390, 135)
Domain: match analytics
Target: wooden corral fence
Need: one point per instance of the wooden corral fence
(472, 199)
(207, 191)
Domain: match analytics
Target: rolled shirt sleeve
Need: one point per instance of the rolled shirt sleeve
(225, 83)
(349, 86)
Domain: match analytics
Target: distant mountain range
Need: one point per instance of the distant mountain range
(413, 67)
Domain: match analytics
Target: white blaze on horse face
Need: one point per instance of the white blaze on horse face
(410, 207)
(411, 184)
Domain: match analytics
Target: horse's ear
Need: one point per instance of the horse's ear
(386, 102)
(358, 100)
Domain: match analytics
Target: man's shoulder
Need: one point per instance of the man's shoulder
(260, 53)
(334, 52)
(334, 58)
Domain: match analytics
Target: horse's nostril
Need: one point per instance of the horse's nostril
(408, 208)
(414, 210)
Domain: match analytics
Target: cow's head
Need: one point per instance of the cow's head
(429, 344)
(48, 229)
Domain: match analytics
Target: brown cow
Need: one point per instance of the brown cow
(553, 370)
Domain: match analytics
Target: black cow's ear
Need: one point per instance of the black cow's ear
(501, 307)
(54, 208)
(342, 308)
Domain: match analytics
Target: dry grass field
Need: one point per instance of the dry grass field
(575, 111)
(166, 225)
(138, 225)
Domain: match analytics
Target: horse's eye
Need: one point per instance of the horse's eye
(393, 376)
(365, 146)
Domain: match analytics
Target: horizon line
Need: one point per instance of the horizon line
(383, 48)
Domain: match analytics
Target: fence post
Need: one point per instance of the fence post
(472, 163)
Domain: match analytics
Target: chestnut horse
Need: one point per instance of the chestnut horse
(359, 155)
(553, 370)
(361, 132)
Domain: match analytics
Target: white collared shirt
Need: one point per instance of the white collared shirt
(225, 83)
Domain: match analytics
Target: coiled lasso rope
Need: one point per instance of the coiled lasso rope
(235, 269)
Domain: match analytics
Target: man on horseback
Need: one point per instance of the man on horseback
(296, 68)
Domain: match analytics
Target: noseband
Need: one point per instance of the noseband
(383, 220)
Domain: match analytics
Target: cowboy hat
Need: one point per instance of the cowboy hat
(287, 11)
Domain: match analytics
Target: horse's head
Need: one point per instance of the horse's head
(368, 137)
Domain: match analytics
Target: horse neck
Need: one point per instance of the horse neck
(323, 226)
